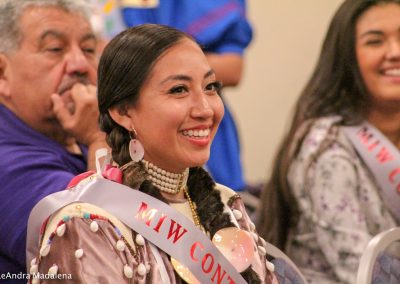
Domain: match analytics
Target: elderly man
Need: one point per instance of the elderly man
(48, 109)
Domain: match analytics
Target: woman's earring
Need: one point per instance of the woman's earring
(136, 150)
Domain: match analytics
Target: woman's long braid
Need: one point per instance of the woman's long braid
(210, 209)
(208, 201)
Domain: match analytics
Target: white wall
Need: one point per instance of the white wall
(286, 44)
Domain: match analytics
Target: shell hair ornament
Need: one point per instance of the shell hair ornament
(136, 150)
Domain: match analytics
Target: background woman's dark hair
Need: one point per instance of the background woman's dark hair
(335, 88)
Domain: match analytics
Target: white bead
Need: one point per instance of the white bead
(35, 280)
(139, 240)
(238, 215)
(61, 230)
(128, 272)
(78, 253)
(255, 236)
(264, 243)
(53, 270)
(262, 250)
(142, 269)
(33, 261)
(34, 269)
(45, 250)
(252, 226)
(270, 266)
(94, 227)
(148, 267)
(120, 245)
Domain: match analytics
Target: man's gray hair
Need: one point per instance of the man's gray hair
(12, 10)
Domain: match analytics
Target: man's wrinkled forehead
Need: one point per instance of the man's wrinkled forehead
(11, 12)
(54, 22)
(61, 35)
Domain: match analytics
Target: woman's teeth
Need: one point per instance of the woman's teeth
(392, 72)
(197, 133)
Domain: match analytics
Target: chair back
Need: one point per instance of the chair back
(285, 270)
(380, 262)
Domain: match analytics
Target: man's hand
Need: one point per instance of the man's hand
(79, 115)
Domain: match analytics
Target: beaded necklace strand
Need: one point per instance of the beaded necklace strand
(167, 182)
(196, 218)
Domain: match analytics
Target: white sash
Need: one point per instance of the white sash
(383, 160)
(156, 221)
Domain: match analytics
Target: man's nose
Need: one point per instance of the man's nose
(77, 62)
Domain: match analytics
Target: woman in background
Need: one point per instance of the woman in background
(324, 201)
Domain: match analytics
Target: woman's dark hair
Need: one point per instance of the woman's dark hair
(335, 88)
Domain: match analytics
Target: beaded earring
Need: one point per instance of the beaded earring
(136, 150)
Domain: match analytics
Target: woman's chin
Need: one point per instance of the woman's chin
(199, 162)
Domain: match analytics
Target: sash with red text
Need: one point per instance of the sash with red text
(382, 158)
(156, 221)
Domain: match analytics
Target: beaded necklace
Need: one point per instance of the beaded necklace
(167, 182)
(196, 218)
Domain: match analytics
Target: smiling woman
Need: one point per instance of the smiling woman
(178, 106)
(160, 108)
(335, 180)
(378, 55)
